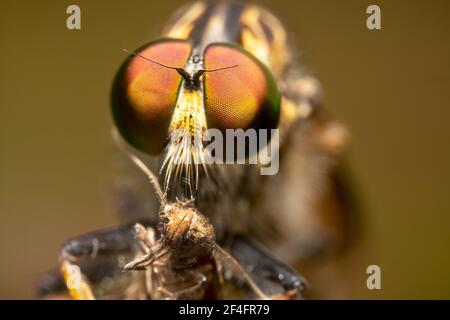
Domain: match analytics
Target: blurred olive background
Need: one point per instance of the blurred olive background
(391, 87)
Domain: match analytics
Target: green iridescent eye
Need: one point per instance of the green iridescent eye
(239, 98)
(144, 94)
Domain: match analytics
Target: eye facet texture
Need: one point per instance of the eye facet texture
(242, 97)
(144, 94)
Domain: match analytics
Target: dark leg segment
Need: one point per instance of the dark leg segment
(106, 241)
(96, 253)
(275, 278)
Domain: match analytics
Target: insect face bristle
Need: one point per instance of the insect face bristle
(185, 157)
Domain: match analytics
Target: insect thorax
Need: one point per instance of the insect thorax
(254, 28)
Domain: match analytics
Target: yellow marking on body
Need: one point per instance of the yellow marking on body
(77, 285)
(189, 112)
(185, 152)
(182, 28)
(253, 38)
(215, 28)
(274, 53)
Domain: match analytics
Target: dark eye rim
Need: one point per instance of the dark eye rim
(273, 93)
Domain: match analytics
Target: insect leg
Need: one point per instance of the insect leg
(193, 291)
(233, 267)
(98, 272)
(268, 272)
(105, 241)
(76, 282)
(153, 250)
(108, 241)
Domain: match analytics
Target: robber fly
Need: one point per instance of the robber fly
(222, 65)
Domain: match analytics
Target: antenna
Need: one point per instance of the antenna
(181, 71)
(219, 69)
(148, 59)
(200, 72)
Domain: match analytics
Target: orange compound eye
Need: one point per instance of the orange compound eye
(242, 97)
(144, 94)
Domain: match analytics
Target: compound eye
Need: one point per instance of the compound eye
(144, 94)
(242, 97)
